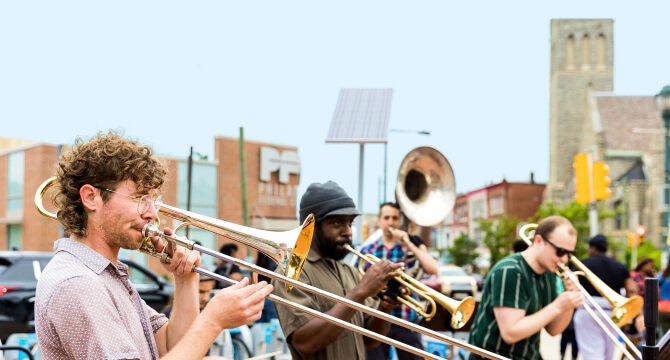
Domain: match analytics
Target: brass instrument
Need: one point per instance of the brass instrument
(288, 248)
(623, 309)
(282, 250)
(425, 191)
(461, 310)
(425, 186)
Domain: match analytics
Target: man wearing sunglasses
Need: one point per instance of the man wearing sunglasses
(593, 341)
(107, 189)
(520, 296)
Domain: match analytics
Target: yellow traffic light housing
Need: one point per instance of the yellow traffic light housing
(601, 181)
(582, 165)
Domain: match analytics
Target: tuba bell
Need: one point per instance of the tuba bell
(425, 187)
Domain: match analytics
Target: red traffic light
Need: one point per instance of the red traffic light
(640, 230)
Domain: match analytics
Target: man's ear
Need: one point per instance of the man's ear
(88, 194)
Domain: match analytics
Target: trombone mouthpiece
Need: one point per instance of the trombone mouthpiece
(150, 229)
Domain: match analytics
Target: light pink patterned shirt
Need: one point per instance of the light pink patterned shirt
(86, 308)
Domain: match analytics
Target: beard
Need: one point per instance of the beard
(329, 247)
(117, 233)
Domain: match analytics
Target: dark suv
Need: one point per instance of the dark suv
(20, 270)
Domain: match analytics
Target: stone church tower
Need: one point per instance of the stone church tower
(582, 60)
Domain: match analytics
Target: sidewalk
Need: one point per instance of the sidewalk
(550, 348)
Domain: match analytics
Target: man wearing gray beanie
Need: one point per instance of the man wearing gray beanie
(313, 338)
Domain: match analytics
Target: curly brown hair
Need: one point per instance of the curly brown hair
(103, 161)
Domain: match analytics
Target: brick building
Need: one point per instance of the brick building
(517, 199)
(272, 177)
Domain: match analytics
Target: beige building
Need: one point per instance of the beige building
(587, 117)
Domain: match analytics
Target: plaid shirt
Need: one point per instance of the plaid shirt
(394, 255)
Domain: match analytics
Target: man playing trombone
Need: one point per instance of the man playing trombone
(313, 338)
(86, 307)
(520, 296)
(395, 245)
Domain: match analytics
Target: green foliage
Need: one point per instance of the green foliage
(462, 254)
(646, 249)
(578, 215)
(498, 237)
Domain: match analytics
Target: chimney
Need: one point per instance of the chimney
(532, 178)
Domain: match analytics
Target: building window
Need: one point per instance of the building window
(478, 236)
(496, 205)
(203, 201)
(14, 234)
(618, 218)
(570, 53)
(461, 213)
(478, 209)
(586, 53)
(601, 53)
(15, 178)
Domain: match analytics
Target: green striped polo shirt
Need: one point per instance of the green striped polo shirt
(511, 283)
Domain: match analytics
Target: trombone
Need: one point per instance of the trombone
(237, 232)
(288, 248)
(623, 309)
(461, 310)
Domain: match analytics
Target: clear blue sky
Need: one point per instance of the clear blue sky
(176, 74)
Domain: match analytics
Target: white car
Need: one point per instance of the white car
(454, 279)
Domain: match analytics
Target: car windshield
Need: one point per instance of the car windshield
(24, 270)
(452, 272)
(4, 265)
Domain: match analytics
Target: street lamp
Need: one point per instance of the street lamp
(420, 132)
(662, 101)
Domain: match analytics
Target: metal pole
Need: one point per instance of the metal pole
(666, 190)
(243, 179)
(593, 219)
(650, 351)
(189, 175)
(385, 164)
(359, 220)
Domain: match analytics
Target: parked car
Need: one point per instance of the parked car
(20, 270)
(480, 281)
(454, 279)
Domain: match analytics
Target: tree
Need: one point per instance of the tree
(579, 217)
(499, 236)
(463, 250)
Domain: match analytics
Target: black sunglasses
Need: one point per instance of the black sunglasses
(560, 252)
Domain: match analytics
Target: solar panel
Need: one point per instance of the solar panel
(361, 116)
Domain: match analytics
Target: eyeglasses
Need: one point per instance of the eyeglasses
(560, 252)
(144, 201)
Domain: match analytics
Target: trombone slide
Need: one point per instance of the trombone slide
(342, 300)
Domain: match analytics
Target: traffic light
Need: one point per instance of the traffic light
(582, 165)
(601, 181)
(365, 230)
(640, 231)
(632, 240)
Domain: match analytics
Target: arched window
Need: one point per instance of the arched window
(570, 53)
(586, 53)
(601, 53)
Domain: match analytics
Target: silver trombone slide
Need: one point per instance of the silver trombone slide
(150, 230)
(326, 317)
(573, 277)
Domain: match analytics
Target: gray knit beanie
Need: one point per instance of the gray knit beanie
(324, 200)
